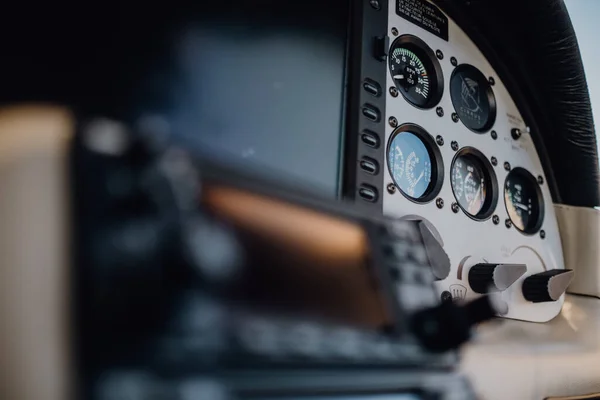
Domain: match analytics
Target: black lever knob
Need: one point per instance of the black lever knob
(438, 259)
(448, 325)
(484, 278)
(547, 286)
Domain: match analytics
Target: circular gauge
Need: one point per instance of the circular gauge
(416, 71)
(473, 98)
(524, 201)
(415, 163)
(474, 184)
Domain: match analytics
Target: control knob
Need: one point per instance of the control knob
(485, 277)
(438, 259)
(547, 286)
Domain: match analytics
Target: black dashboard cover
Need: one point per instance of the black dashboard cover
(533, 47)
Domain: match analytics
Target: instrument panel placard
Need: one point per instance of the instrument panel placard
(425, 15)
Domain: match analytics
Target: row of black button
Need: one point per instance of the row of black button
(369, 165)
(369, 109)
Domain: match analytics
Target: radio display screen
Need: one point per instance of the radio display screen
(267, 89)
(301, 262)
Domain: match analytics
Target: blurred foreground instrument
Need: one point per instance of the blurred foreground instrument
(192, 276)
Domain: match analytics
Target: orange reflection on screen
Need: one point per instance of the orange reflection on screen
(302, 258)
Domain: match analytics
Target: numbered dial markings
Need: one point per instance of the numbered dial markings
(410, 74)
(415, 71)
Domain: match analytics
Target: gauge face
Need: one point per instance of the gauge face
(410, 164)
(415, 163)
(524, 202)
(473, 98)
(473, 184)
(416, 71)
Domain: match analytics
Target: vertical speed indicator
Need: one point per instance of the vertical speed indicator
(416, 71)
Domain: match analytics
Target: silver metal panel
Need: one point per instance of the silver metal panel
(466, 241)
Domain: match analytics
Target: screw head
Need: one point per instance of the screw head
(439, 111)
(391, 188)
(395, 31)
(496, 219)
(543, 234)
(439, 140)
(375, 4)
(515, 133)
(393, 122)
(394, 91)
(494, 135)
(455, 117)
(507, 166)
(454, 145)
(492, 81)
(453, 61)
(455, 208)
(446, 296)
(540, 180)
(439, 203)
(508, 223)
(439, 54)
(494, 161)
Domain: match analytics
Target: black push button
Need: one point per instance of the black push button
(369, 165)
(368, 193)
(370, 139)
(372, 87)
(371, 112)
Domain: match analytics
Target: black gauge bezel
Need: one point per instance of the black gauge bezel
(522, 172)
(437, 162)
(489, 93)
(431, 63)
(491, 200)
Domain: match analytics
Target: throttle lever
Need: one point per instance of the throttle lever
(448, 326)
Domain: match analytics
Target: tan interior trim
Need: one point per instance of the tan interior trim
(34, 268)
(580, 236)
(595, 396)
